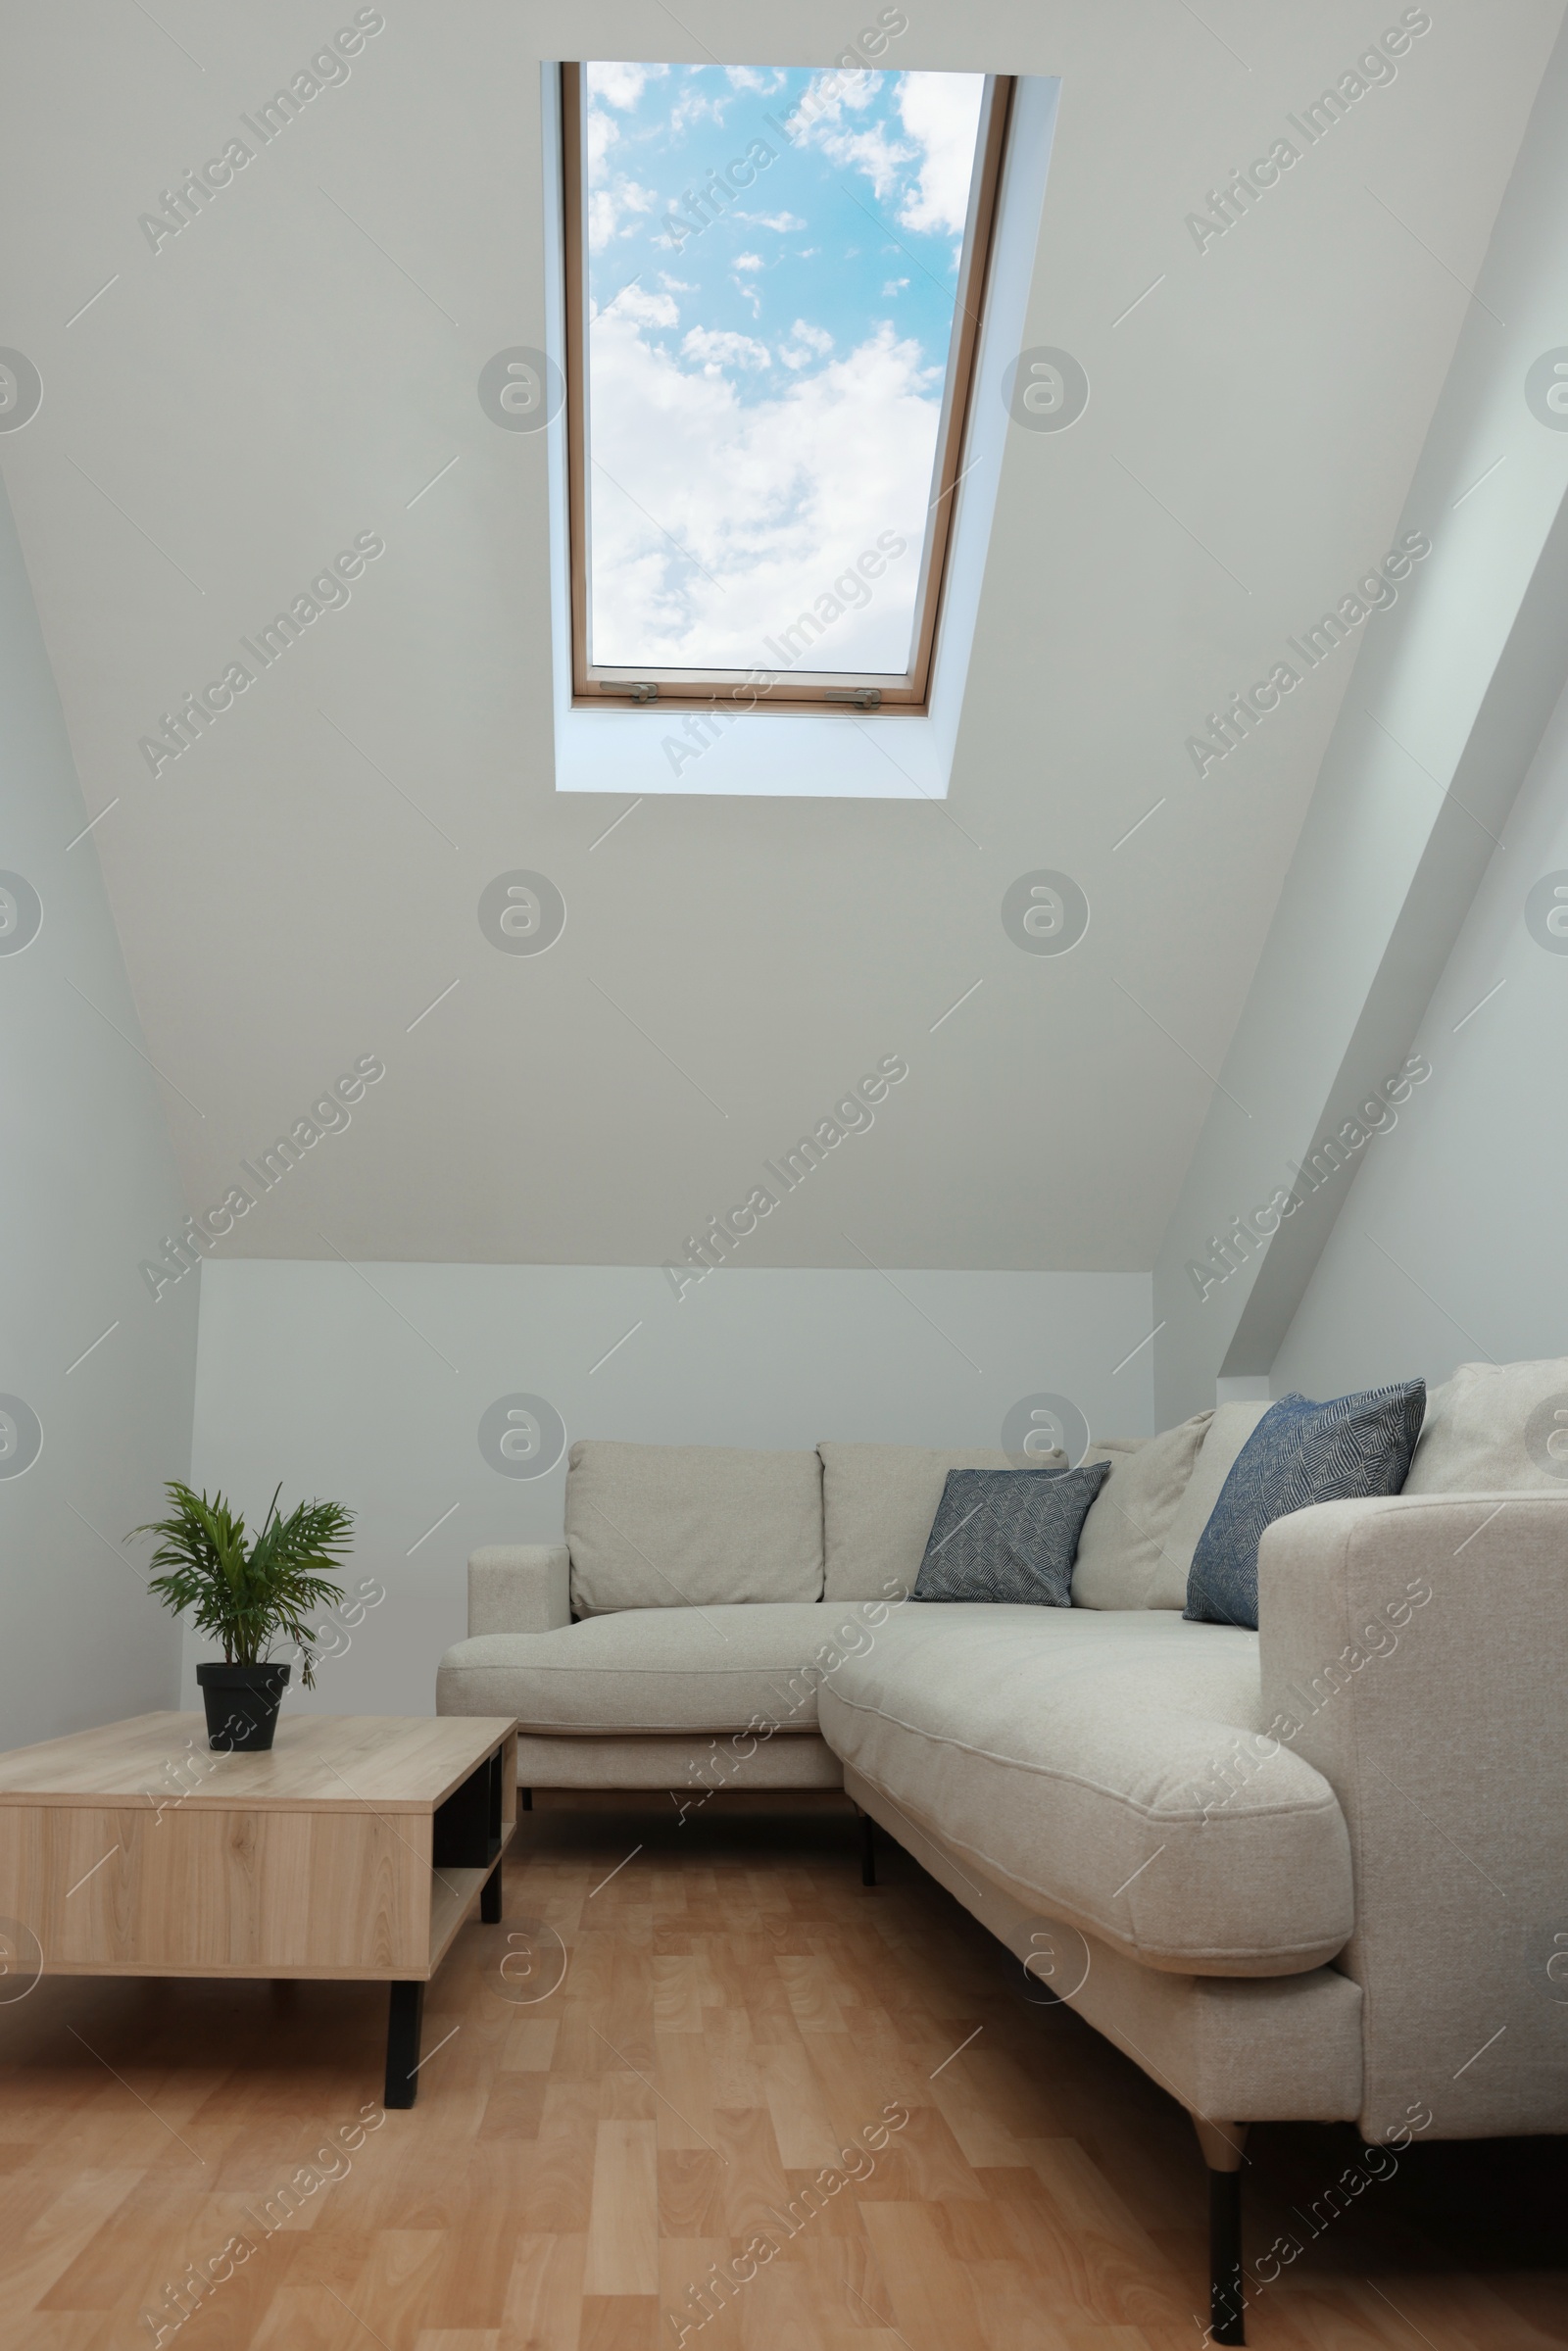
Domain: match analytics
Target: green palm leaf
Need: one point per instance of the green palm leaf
(247, 1598)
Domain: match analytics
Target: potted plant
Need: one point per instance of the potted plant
(245, 1596)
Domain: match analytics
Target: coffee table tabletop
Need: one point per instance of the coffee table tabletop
(355, 1848)
(322, 1762)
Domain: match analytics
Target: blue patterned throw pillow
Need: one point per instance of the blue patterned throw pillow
(1007, 1534)
(1298, 1453)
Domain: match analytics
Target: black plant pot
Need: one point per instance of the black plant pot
(242, 1703)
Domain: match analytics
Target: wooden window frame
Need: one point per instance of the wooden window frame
(596, 685)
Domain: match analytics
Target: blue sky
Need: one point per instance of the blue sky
(766, 367)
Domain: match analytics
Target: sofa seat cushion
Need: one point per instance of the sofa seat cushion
(691, 1526)
(646, 1670)
(1110, 1769)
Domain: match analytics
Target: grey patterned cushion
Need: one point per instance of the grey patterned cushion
(1007, 1534)
(1300, 1453)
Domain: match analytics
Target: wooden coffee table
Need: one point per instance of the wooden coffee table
(355, 1848)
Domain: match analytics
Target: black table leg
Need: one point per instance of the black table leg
(405, 2015)
(490, 1898)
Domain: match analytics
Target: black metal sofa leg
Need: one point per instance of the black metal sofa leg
(867, 1849)
(1222, 2145)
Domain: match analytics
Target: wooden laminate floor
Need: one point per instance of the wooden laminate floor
(736, 2012)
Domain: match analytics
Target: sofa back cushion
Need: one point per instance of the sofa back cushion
(1495, 1427)
(676, 1526)
(878, 1503)
(1227, 1432)
(1008, 1537)
(1349, 1448)
(1122, 1540)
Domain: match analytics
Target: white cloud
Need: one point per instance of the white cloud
(614, 209)
(718, 347)
(747, 261)
(615, 201)
(602, 131)
(941, 113)
(648, 308)
(783, 224)
(622, 85)
(806, 343)
(771, 499)
(895, 285)
(676, 285)
(872, 152)
(820, 120)
(826, 95)
(930, 167)
(695, 106)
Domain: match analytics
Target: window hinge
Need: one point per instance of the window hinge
(864, 698)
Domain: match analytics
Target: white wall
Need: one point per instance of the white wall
(366, 1385)
(1452, 691)
(1449, 1248)
(89, 1180)
(301, 361)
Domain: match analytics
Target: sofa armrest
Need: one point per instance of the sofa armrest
(518, 1588)
(1415, 1651)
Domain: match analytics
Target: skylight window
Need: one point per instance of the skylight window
(773, 288)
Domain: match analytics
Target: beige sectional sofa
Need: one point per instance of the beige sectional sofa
(1313, 1872)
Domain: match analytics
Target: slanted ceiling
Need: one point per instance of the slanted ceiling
(298, 368)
